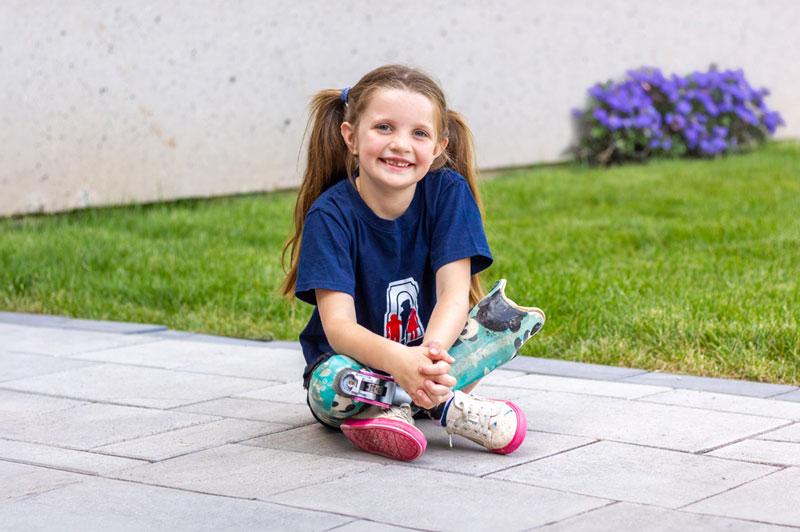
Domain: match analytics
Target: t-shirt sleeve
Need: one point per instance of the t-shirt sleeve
(458, 230)
(325, 260)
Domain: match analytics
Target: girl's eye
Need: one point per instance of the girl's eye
(421, 133)
(383, 127)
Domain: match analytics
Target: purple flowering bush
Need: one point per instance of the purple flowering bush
(704, 114)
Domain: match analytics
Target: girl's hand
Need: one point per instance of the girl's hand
(425, 380)
(435, 380)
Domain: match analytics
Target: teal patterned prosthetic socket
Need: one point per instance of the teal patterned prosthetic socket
(494, 333)
(328, 406)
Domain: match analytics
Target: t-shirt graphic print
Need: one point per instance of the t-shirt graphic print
(401, 321)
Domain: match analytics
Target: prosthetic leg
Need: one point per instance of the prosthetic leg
(494, 333)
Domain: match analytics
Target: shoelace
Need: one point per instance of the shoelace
(474, 418)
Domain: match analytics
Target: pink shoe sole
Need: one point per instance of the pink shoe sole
(519, 436)
(393, 439)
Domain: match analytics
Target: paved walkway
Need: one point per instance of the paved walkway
(115, 426)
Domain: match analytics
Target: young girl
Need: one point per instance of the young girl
(388, 241)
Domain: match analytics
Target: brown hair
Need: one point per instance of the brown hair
(329, 161)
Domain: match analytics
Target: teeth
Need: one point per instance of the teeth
(398, 163)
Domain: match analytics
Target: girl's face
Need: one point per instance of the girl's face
(396, 140)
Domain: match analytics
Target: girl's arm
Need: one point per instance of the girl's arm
(449, 315)
(410, 366)
(452, 304)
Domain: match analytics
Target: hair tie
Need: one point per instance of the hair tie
(343, 95)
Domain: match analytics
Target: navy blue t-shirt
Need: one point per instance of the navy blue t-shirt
(388, 266)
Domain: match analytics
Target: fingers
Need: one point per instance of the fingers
(446, 380)
(438, 374)
(444, 357)
(437, 368)
(433, 395)
(435, 352)
(421, 399)
(438, 391)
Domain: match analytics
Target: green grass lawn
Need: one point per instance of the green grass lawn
(683, 266)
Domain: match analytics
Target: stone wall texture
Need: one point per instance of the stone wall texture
(112, 101)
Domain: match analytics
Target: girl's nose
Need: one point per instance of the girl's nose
(400, 143)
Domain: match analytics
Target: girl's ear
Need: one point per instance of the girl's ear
(349, 136)
(440, 147)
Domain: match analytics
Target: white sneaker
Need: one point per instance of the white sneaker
(386, 431)
(497, 425)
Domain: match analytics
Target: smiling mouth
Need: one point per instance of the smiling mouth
(397, 164)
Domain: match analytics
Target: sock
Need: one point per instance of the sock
(443, 419)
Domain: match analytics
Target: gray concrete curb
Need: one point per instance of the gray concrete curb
(539, 366)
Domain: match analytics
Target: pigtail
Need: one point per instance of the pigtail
(460, 157)
(326, 165)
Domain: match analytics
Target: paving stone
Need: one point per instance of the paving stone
(63, 342)
(32, 320)
(566, 368)
(203, 357)
(254, 409)
(464, 457)
(177, 335)
(19, 365)
(93, 425)
(728, 403)
(98, 504)
(135, 386)
(790, 434)
(667, 426)
(6, 328)
(626, 516)
(284, 345)
(59, 458)
(119, 327)
(393, 490)
(21, 481)
(369, 526)
(290, 392)
(279, 365)
(283, 365)
(245, 471)
(634, 473)
(207, 338)
(583, 386)
(772, 499)
(500, 376)
(470, 458)
(315, 439)
(791, 396)
(19, 404)
(504, 392)
(164, 354)
(708, 384)
(190, 439)
(762, 451)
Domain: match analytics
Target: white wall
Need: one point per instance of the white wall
(116, 101)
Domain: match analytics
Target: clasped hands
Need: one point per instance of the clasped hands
(425, 375)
